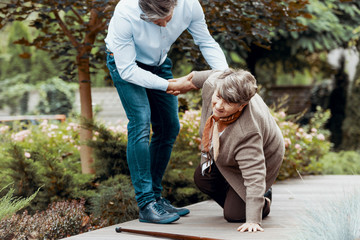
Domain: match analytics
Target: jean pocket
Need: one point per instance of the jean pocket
(110, 63)
(166, 69)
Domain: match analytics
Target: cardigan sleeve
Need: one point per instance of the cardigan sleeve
(200, 77)
(251, 160)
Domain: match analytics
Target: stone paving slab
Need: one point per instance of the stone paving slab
(290, 199)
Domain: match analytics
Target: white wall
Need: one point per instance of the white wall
(106, 99)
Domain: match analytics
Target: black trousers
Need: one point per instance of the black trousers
(214, 184)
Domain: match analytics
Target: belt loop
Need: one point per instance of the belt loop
(109, 52)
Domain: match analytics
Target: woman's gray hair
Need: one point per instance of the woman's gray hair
(156, 9)
(236, 86)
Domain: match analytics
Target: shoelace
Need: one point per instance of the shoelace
(165, 201)
(159, 209)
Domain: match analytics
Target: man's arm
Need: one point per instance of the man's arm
(121, 44)
(209, 48)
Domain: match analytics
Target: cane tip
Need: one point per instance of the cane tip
(118, 229)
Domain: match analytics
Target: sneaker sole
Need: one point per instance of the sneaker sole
(183, 212)
(165, 221)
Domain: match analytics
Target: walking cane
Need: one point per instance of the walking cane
(163, 235)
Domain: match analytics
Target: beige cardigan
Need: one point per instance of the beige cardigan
(251, 149)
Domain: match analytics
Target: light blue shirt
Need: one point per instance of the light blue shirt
(132, 39)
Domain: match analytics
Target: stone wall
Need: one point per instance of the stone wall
(107, 102)
(299, 97)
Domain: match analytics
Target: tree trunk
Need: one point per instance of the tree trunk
(337, 103)
(254, 55)
(86, 112)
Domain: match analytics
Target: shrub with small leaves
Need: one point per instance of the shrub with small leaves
(109, 149)
(60, 220)
(343, 162)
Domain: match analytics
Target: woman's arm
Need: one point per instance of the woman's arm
(251, 160)
(199, 77)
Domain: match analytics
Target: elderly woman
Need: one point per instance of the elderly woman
(242, 146)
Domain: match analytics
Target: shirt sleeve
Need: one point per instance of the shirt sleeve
(251, 160)
(209, 48)
(121, 44)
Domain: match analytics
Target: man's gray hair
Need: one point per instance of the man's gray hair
(236, 86)
(156, 9)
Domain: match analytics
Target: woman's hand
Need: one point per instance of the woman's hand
(250, 227)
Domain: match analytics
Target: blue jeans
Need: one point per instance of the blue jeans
(144, 108)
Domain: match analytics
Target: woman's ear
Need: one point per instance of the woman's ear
(242, 107)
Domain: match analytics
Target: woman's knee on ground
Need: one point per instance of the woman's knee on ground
(234, 215)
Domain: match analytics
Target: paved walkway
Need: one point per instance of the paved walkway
(290, 199)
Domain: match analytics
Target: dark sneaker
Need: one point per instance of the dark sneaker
(171, 209)
(155, 213)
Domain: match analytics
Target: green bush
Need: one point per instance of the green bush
(46, 157)
(178, 182)
(344, 162)
(304, 145)
(115, 200)
(56, 96)
(109, 149)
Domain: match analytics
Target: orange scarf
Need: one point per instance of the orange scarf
(211, 132)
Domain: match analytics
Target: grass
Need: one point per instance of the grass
(10, 204)
(332, 220)
(343, 162)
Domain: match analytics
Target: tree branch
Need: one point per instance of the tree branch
(95, 25)
(66, 31)
(77, 15)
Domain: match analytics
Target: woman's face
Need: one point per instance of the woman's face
(222, 108)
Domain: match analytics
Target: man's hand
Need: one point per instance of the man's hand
(181, 85)
(250, 227)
